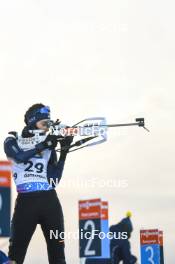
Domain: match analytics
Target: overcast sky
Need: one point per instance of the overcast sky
(98, 58)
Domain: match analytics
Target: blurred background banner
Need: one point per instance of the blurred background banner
(5, 198)
(93, 219)
(152, 246)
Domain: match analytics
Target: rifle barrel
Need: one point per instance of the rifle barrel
(115, 125)
(120, 125)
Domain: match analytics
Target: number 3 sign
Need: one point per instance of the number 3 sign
(151, 246)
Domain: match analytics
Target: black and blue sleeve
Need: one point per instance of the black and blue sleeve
(13, 151)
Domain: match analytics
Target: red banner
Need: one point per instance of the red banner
(104, 211)
(5, 173)
(90, 209)
(161, 238)
(149, 237)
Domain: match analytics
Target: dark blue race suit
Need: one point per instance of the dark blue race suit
(35, 172)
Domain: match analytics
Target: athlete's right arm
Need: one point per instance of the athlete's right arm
(13, 151)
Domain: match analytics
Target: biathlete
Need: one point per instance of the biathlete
(35, 172)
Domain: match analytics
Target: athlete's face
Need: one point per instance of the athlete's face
(43, 125)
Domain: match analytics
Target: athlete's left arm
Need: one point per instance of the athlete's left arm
(55, 168)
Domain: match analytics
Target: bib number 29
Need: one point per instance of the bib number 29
(39, 167)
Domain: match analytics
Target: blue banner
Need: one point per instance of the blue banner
(5, 209)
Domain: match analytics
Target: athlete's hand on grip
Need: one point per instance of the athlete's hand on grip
(50, 142)
(66, 142)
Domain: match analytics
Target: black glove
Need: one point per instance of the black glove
(50, 142)
(65, 143)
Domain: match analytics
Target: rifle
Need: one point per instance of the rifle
(93, 130)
